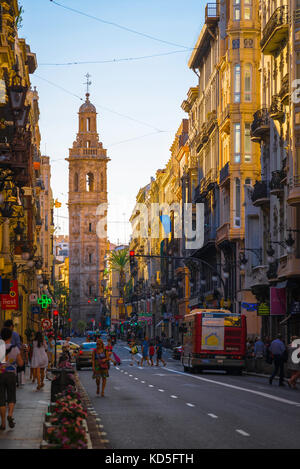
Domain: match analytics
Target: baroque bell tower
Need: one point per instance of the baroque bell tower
(87, 190)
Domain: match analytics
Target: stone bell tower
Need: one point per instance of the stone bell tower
(87, 190)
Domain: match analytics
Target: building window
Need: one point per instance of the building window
(90, 227)
(237, 143)
(248, 43)
(90, 182)
(247, 9)
(235, 44)
(90, 258)
(88, 124)
(236, 10)
(248, 83)
(237, 83)
(76, 182)
(247, 143)
(90, 290)
(237, 218)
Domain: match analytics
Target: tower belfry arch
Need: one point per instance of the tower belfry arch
(87, 190)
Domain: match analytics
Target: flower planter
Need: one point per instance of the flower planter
(45, 445)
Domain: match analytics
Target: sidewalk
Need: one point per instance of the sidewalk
(29, 416)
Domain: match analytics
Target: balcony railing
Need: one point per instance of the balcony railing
(260, 194)
(275, 30)
(224, 173)
(276, 108)
(276, 184)
(284, 90)
(260, 124)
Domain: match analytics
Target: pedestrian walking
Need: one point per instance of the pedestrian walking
(15, 336)
(21, 369)
(100, 364)
(259, 351)
(8, 378)
(145, 351)
(151, 353)
(293, 366)
(134, 350)
(39, 360)
(159, 351)
(278, 349)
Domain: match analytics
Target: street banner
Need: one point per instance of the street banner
(278, 301)
(11, 300)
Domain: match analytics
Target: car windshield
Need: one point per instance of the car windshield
(88, 345)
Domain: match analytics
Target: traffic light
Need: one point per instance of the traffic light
(132, 261)
(55, 313)
(95, 299)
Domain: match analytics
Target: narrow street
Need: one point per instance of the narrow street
(164, 407)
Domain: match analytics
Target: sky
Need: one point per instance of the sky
(148, 91)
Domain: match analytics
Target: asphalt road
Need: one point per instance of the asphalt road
(165, 408)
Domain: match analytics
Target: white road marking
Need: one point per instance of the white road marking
(136, 378)
(130, 376)
(140, 368)
(159, 374)
(213, 416)
(117, 368)
(125, 373)
(143, 382)
(150, 385)
(238, 388)
(190, 405)
(161, 390)
(241, 432)
(174, 397)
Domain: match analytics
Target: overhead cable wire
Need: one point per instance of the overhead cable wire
(125, 116)
(116, 25)
(126, 59)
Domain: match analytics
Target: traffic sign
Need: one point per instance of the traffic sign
(46, 324)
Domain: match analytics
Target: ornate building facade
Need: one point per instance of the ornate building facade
(87, 190)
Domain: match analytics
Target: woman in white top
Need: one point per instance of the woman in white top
(39, 360)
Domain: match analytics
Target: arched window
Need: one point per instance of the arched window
(237, 83)
(76, 182)
(88, 124)
(101, 182)
(90, 182)
(248, 82)
(247, 9)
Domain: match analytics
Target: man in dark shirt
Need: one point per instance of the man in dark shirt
(277, 348)
(15, 340)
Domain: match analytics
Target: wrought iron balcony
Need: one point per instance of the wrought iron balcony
(260, 125)
(276, 108)
(275, 31)
(224, 173)
(260, 194)
(284, 90)
(276, 184)
(294, 193)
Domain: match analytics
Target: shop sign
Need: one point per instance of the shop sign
(278, 301)
(263, 309)
(11, 300)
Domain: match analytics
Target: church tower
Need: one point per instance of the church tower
(87, 190)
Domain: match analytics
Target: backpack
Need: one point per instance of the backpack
(135, 349)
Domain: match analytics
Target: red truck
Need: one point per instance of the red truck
(214, 339)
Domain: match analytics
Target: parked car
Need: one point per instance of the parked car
(177, 351)
(84, 355)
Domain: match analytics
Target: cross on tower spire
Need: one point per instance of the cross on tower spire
(88, 84)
